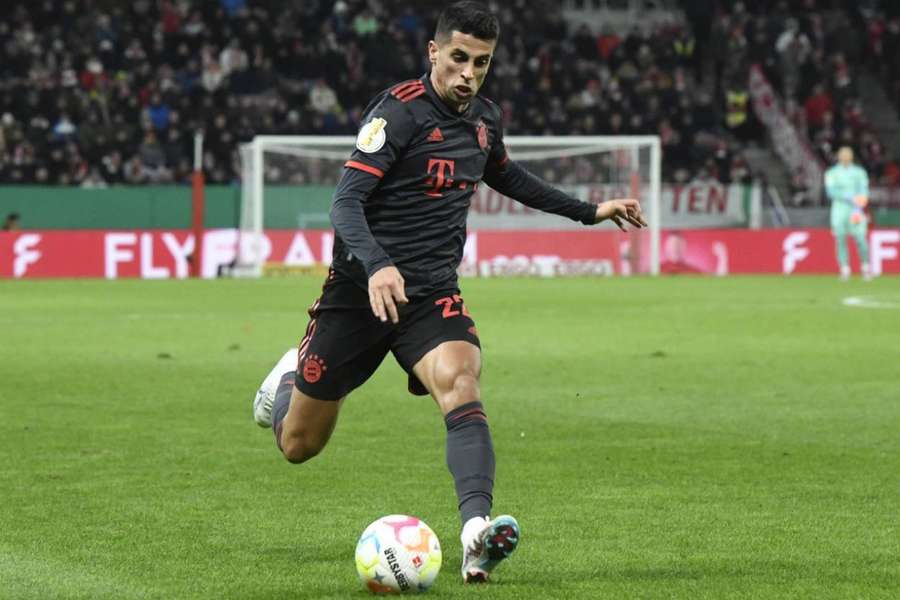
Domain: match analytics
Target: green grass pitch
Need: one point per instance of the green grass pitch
(671, 438)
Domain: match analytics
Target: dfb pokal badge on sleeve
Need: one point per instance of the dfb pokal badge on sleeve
(372, 136)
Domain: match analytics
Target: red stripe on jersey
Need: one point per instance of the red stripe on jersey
(504, 160)
(407, 96)
(364, 167)
(405, 86)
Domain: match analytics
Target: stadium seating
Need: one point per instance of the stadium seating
(100, 93)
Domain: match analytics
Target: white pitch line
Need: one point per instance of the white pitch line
(867, 302)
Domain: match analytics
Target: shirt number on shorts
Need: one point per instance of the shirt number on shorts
(448, 303)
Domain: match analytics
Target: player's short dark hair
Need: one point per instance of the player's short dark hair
(473, 18)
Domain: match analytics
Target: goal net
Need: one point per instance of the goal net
(288, 181)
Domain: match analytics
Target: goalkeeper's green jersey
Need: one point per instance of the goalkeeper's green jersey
(842, 184)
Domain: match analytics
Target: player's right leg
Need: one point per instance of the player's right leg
(306, 426)
(840, 224)
(302, 424)
(264, 401)
(843, 257)
(343, 346)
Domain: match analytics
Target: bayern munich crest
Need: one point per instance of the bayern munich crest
(482, 135)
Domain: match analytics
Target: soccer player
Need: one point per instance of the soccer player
(399, 214)
(847, 186)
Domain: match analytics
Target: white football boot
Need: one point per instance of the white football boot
(845, 273)
(866, 272)
(265, 396)
(486, 544)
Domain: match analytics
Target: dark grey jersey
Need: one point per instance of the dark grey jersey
(405, 192)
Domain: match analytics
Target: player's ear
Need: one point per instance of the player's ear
(432, 51)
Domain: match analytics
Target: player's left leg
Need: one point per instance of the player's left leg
(450, 373)
(859, 231)
(438, 346)
(840, 223)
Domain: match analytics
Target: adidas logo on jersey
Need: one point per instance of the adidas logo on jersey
(436, 135)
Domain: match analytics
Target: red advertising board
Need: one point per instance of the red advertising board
(165, 254)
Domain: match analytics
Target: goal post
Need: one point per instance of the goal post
(286, 184)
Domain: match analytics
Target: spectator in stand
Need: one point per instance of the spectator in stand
(891, 173)
(12, 222)
(83, 82)
(818, 103)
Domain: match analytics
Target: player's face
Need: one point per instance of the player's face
(459, 66)
(845, 156)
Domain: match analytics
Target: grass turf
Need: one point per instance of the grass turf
(672, 438)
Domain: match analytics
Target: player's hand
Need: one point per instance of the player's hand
(621, 210)
(856, 218)
(386, 291)
(861, 201)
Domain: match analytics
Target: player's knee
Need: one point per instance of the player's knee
(461, 384)
(466, 386)
(299, 448)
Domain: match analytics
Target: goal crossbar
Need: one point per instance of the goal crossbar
(539, 147)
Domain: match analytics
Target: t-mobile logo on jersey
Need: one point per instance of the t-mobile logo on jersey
(438, 176)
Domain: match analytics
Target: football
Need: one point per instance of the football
(398, 553)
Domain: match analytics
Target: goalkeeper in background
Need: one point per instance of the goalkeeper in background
(847, 187)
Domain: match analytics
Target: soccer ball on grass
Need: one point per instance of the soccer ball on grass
(398, 553)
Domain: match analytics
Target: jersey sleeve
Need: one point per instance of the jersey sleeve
(386, 131)
(382, 139)
(514, 181)
(349, 219)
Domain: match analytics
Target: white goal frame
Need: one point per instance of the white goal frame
(252, 155)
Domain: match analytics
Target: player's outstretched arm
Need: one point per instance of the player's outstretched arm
(515, 181)
(621, 211)
(512, 180)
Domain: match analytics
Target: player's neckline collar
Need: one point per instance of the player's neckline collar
(442, 105)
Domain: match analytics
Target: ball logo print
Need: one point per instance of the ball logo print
(398, 553)
(372, 136)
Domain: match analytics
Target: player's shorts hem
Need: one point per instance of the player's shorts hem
(317, 393)
(434, 343)
(414, 384)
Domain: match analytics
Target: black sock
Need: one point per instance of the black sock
(282, 403)
(470, 457)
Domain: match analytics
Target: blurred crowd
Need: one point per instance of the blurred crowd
(101, 92)
(811, 52)
(882, 21)
(97, 92)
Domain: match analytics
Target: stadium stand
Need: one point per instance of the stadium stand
(96, 92)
